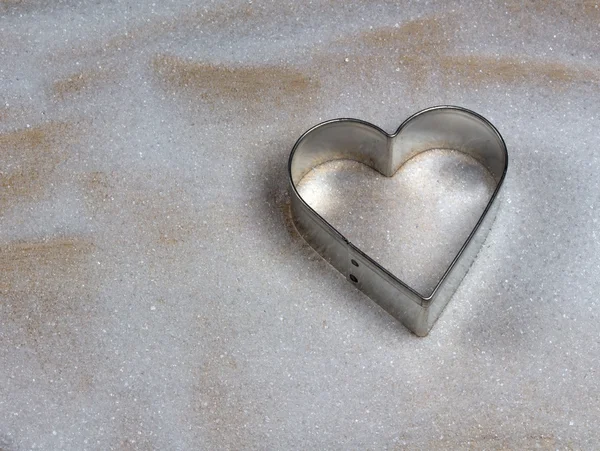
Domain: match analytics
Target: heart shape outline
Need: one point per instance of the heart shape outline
(439, 127)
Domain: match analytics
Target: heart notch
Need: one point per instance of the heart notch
(440, 127)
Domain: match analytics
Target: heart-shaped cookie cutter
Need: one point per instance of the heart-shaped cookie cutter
(440, 127)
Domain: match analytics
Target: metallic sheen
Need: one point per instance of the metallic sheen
(441, 127)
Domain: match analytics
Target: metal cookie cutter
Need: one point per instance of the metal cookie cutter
(441, 127)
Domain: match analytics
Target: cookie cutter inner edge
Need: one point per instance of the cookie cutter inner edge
(439, 127)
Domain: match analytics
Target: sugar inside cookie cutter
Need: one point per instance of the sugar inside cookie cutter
(441, 127)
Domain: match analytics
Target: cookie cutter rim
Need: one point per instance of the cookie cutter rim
(457, 129)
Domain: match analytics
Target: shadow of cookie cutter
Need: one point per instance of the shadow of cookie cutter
(440, 127)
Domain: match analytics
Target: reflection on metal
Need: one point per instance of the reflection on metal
(442, 127)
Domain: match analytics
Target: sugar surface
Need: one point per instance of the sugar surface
(153, 294)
